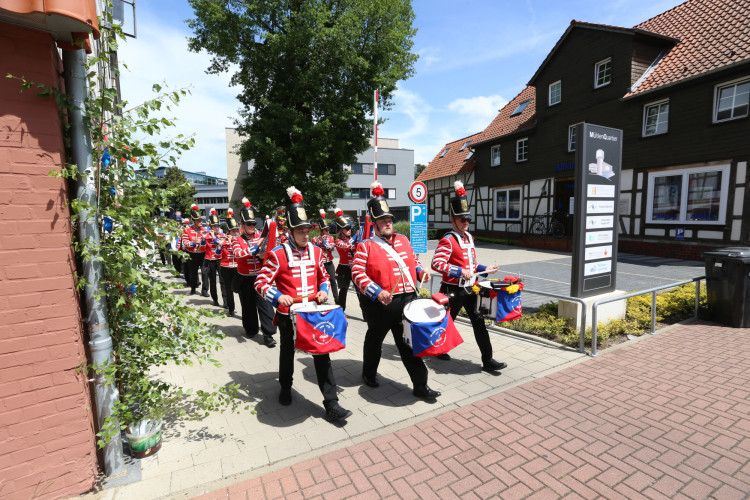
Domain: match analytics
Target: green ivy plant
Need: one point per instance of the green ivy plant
(150, 325)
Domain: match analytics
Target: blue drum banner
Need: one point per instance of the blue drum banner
(321, 332)
(433, 338)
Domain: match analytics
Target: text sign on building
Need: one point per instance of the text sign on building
(597, 187)
(418, 228)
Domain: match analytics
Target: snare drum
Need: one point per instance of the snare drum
(486, 304)
(318, 328)
(429, 329)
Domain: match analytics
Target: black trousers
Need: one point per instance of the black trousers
(332, 276)
(177, 262)
(459, 297)
(208, 271)
(381, 319)
(193, 265)
(322, 362)
(227, 275)
(253, 305)
(344, 278)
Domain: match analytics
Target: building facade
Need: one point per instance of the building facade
(47, 421)
(395, 173)
(678, 86)
(211, 192)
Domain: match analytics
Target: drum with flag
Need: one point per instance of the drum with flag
(500, 300)
(319, 328)
(429, 329)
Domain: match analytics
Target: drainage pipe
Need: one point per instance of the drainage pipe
(100, 341)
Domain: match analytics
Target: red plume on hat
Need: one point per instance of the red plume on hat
(339, 212)
(246, 203)
(230, 212)
(194, 207)
(322, 213)
(377, 189)
(213, 211)
(459, 187)
(294, 194)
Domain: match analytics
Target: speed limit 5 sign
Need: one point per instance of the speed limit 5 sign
(418, 192)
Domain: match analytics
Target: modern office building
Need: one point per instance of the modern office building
(211, 192)
(395, 173)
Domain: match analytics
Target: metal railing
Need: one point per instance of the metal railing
(652, 291)
(582, 344)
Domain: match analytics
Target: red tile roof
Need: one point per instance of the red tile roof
(504, 124)
(712, 34)
(452, 163)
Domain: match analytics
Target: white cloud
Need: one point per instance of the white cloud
(159, 55)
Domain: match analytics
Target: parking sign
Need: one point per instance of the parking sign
(418, 228)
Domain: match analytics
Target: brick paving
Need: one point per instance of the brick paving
(664, 417)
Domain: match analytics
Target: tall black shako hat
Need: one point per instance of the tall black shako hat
(194, 212)
(342, 222)
(377, 207)
(322, 223)
(295, 212)
(247, 216)
(231, 221)
(213, 219)
(459, 203)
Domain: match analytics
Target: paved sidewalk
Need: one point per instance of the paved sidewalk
(225, 445)
(662, 417)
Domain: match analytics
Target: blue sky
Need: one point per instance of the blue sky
(475, 55)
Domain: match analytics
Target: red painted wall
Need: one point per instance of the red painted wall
(47, 446)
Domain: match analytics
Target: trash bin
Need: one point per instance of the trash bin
(728, 285)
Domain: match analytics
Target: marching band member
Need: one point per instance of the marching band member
(296, 270)
(455, 258)
(228, 265)
(211, 263)
(345, 247)
(326, 244)
(194, 242)
(246, 249)
(387, 271)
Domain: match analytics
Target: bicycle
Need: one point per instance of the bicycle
(547, 225)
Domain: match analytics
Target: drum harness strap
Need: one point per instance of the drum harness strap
(302, 264)
(402, 267)
(463, 283)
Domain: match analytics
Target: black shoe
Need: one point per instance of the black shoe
(285, 397)
(370, 382)
(335, 413)
(192, 291)
(205, 294)
(269, 341)
(493, 366)
(225, 306)
(216, 303)
(230, 314)
(444, 357)
(250, 335)
(424, 392)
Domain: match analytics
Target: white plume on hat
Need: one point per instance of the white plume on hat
(291, 191)
(322, 213)
(457, 185)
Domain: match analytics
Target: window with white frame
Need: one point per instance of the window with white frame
(603, 73)
(508, 204)
(572, 137)
(655, 118)
(495, 156)
(731, 100)
(522, 149)
(688, 196)
(390, 193)
(555, 93)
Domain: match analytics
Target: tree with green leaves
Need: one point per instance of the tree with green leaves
(183, 193)
(308, 70)
(418, 168)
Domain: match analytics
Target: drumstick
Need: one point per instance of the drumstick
(300, 299)
(421, 282)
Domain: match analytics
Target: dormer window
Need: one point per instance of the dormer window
(444, 151)
(519, 109)
(603, 73)
(555, 93)
(464, 146)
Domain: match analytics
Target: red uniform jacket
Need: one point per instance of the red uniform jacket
(227, 251)
(326, 244)
(454, 253)
(297, 273)
(346, 250)
(193, 241)
(246, 253)
(375, 270)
